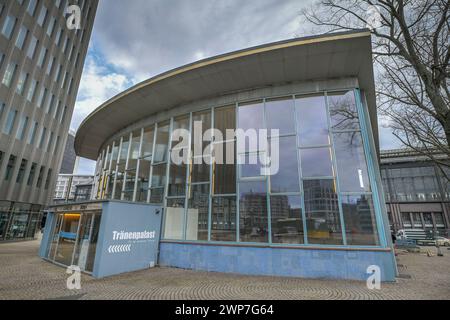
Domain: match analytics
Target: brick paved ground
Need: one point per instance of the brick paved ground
(24, 276)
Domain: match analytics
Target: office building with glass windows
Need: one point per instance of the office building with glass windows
(41, 61)
(417, 191)
(322, 214)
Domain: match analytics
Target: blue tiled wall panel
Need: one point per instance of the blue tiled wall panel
(303, 263)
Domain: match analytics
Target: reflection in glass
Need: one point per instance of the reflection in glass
(280, 115)
(55, 237)
(93, 243)
(312, 121)
(157, 195)
(251, 116)
(253, 220)
(197, 216)
(121, 168)
(223, 214)
(359, 219)
(147, 142)
(159, 175)
(286, 180)
(343, 112)
(177, 180)
(351, 162)
(322, 212)
(67, 238)
(251, 165)
(287, 222)
(82, 245)
(174, 219)
(162, 143)
(316, 162)
(143, 180)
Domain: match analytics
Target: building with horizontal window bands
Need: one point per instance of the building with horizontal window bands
(417, 191)
(321, 215)
(41, 62)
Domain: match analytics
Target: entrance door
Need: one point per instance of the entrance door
(67, 238)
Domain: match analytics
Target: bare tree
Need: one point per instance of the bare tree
(411, 53)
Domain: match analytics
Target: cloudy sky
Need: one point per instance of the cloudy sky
(136, 39)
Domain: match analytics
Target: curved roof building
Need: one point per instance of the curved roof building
(305, 200)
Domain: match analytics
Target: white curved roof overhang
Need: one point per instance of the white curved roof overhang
(330, 56)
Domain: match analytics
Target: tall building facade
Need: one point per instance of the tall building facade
(69, 158)
(417, 192)
(41, 62)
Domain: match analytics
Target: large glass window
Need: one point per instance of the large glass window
(360, 221)
(145, 165)
(120, 175)
(130, 179)
(197, 215)
(253, 216)
(343, 112)
(223, 216)
(177, 180)
(316, 162)
(312, 121)
(251, 116)
(351, 162)
(224, 118)
(174, 219)
(225, 174)
(322, 212)
(112, 170)
(280, 115)
(287, 220)
(201, 124)
(287, 179)
(162, 143)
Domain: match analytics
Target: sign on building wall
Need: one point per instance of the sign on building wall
(128, 238)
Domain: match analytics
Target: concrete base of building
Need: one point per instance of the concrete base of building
(327, 263)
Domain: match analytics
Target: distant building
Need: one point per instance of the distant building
(417, 192)
(68, 165)
(83, 192)
(66, 186)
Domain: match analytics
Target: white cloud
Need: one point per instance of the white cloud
(98, 84)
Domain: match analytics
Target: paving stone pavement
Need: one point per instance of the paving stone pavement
(25, 276)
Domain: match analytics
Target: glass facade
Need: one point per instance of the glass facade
(321, 194)
(416, 192)
(74, 238)
(19, 221)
